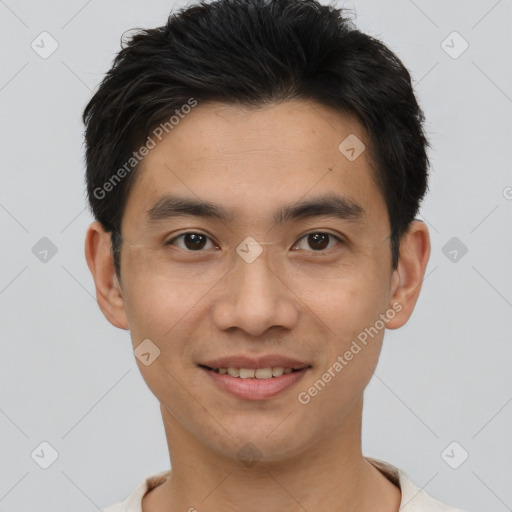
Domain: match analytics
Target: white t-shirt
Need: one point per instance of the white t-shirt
(413, 499)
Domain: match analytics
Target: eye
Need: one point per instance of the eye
(195, 242)
(317, 241)
(191, 241)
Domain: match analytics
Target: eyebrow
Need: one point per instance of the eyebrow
(331, 205)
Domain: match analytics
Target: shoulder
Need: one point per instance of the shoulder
(118, 507)
(133, 502)
(413, 499)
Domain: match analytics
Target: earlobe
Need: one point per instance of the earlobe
(407, 279)
(98, 253)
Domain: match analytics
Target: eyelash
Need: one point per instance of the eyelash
(338, 239)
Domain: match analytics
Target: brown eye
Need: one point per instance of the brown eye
(191, 241)
(194, 241)
(317, 241)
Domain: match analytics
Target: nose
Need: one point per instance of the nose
(253, 298)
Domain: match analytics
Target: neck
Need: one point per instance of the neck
(330, 474)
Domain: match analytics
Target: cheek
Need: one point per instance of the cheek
(162, 311)
(348, 305)
(168, 316)
(347, 311)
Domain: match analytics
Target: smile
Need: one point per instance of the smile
(254, 383)
(254, 373)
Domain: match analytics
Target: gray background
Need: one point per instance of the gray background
(69, 378)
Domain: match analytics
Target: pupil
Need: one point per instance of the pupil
(195, 241)
(318, 241)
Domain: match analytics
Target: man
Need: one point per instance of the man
(254, 168)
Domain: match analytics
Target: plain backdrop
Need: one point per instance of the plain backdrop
(442, 391)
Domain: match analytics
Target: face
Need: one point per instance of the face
(311, 289)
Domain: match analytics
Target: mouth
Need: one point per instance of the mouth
(255, 383)
(254, 373)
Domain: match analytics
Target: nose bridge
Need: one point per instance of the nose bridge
(254, 298)
(256, 276)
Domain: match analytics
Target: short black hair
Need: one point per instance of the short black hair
(255, 53)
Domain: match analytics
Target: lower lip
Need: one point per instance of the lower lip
(255, 389)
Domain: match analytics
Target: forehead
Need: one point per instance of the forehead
(255, 159)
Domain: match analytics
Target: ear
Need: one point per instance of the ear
(408, 277)
(98, 247)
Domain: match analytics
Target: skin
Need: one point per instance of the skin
(288, 301)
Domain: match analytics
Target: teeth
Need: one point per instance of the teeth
(234, 372)
(251, 373)
(277, 371)
(263, 373)
(247, 373)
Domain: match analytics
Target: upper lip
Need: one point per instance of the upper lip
(267, 361)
